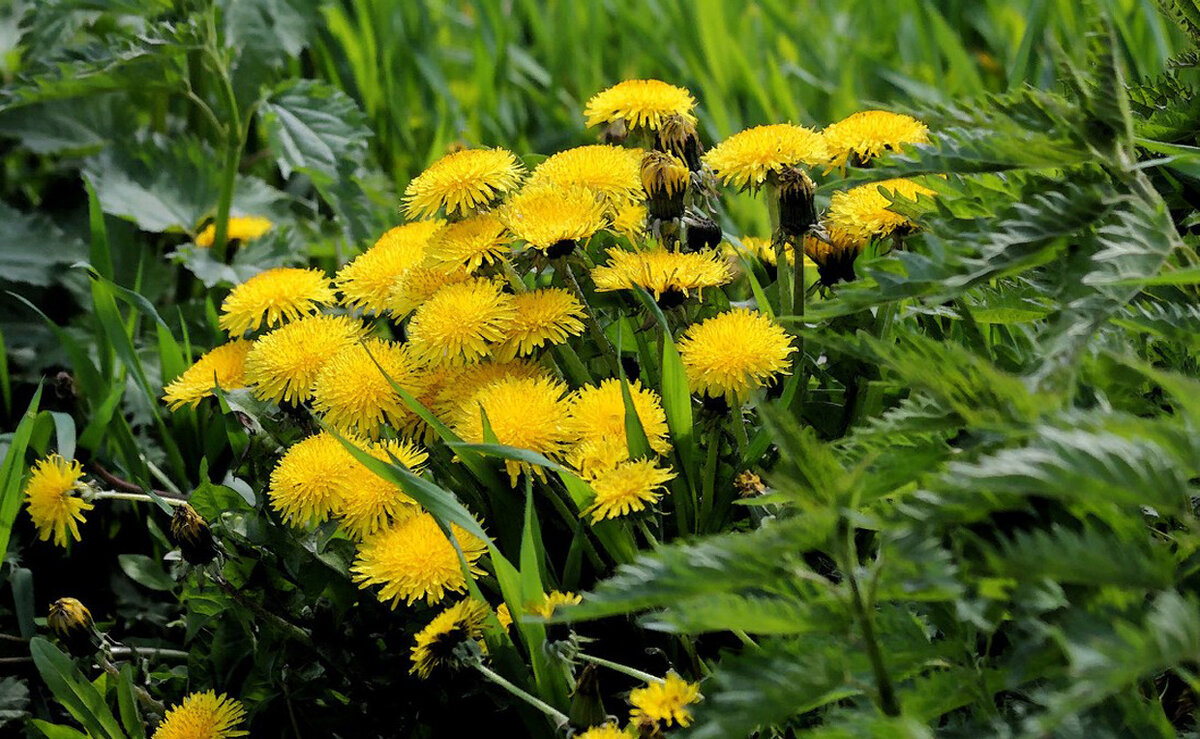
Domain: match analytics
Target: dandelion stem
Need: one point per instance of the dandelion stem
(592, 322)
(149, 651)
(645, 677)
(127, 486)
(559, 717)
(137, 497)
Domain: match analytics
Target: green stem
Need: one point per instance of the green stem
(138, 497)
(645, 677)
(559, 717)
(593, 323)
(234, 138)
(888, 702)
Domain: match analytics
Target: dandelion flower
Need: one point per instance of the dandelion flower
(504, 616)
(734, 353)
(207, 715)
(629, 220)
(413, 559)
(544, 317)
(670, 276)
(834, 258)
(747, 158)
(238, 228)
(554, 219)
(435, 644)
(640, 104)
(354, 391)
(366, 282)
(613, 172)
(454, 398)
(524, 413)
(469, 244)
(871, 133)
(863, 213)
(51, 501)
(461, 322)
(665, 179)
(553, 600)
(310, 480)
(665, 703)
(597, 412)
(419, 284)
(223, 367)
(627, 488)
(608, 731)
(462, 182)
(284, 364)
(272, 297)
(369, 501)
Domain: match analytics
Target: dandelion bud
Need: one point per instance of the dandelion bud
(748, 484)
(797, 207)
(72, 623)
(702, 232)
(834, 257)
(665, 180)
(191, 534)
(678, 136)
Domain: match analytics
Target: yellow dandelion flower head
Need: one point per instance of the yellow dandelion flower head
(527, 413)
(863, 213)
(460, 386)
(462, 182)
(664, 703)
(413, 559)
(223, 367)
(310, 480)
(354, 392)
(593, 456)
(419, 284)
(50, 498)
(369, 501)
(640, 104)
(764, 251)
(608, 731)
(461, 322)
(269, 298)
(284, 364)
(547, 215)
(469, 244)
(435, 644)
(613, 172)
(551, 601)
(871, 133)
(734, 353)
(660, 271)
(239, 228)
(544, 317)
(504, 616)
(629, 219)
(747, 158)
(627, 488)
(207, 715)
(366, 282)
(597, 412)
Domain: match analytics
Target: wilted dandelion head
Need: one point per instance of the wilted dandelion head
(366, 282)
(310, 480)
(354, 391)
(554, 218)
(662, 272)
(52, 498)
(414, 287)
(597, 412)
(665, 179)
(551, 601)
(864, 213)
(239, 228)
(613, 172)
(274, 296)
(413, 559)
(659, 705)
(461, 322)
(435, 644)
(205, 715)
(871, 133)
(284, 364)
(747, 158)
(370, 501)
(639, 104)
(469, 244)
(733, 353)
(463, 182)
(544, 317)
(527, 413)
(835, 257)
(223, 367)
(627, 488)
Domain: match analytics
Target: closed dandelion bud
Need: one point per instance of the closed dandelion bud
(834, 257)
(748, 484)
(702, 232)
(678, 136)
(72, 623)
(797, 206)
(665, 180)
(192, 535)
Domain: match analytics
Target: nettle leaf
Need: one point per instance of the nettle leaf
(315, 129)
(33, 250)
(64, 126)
(1174, 322)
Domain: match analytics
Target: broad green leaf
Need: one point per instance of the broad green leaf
(76, 694)
(13, 470)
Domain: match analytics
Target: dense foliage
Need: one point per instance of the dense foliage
(937, 476)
